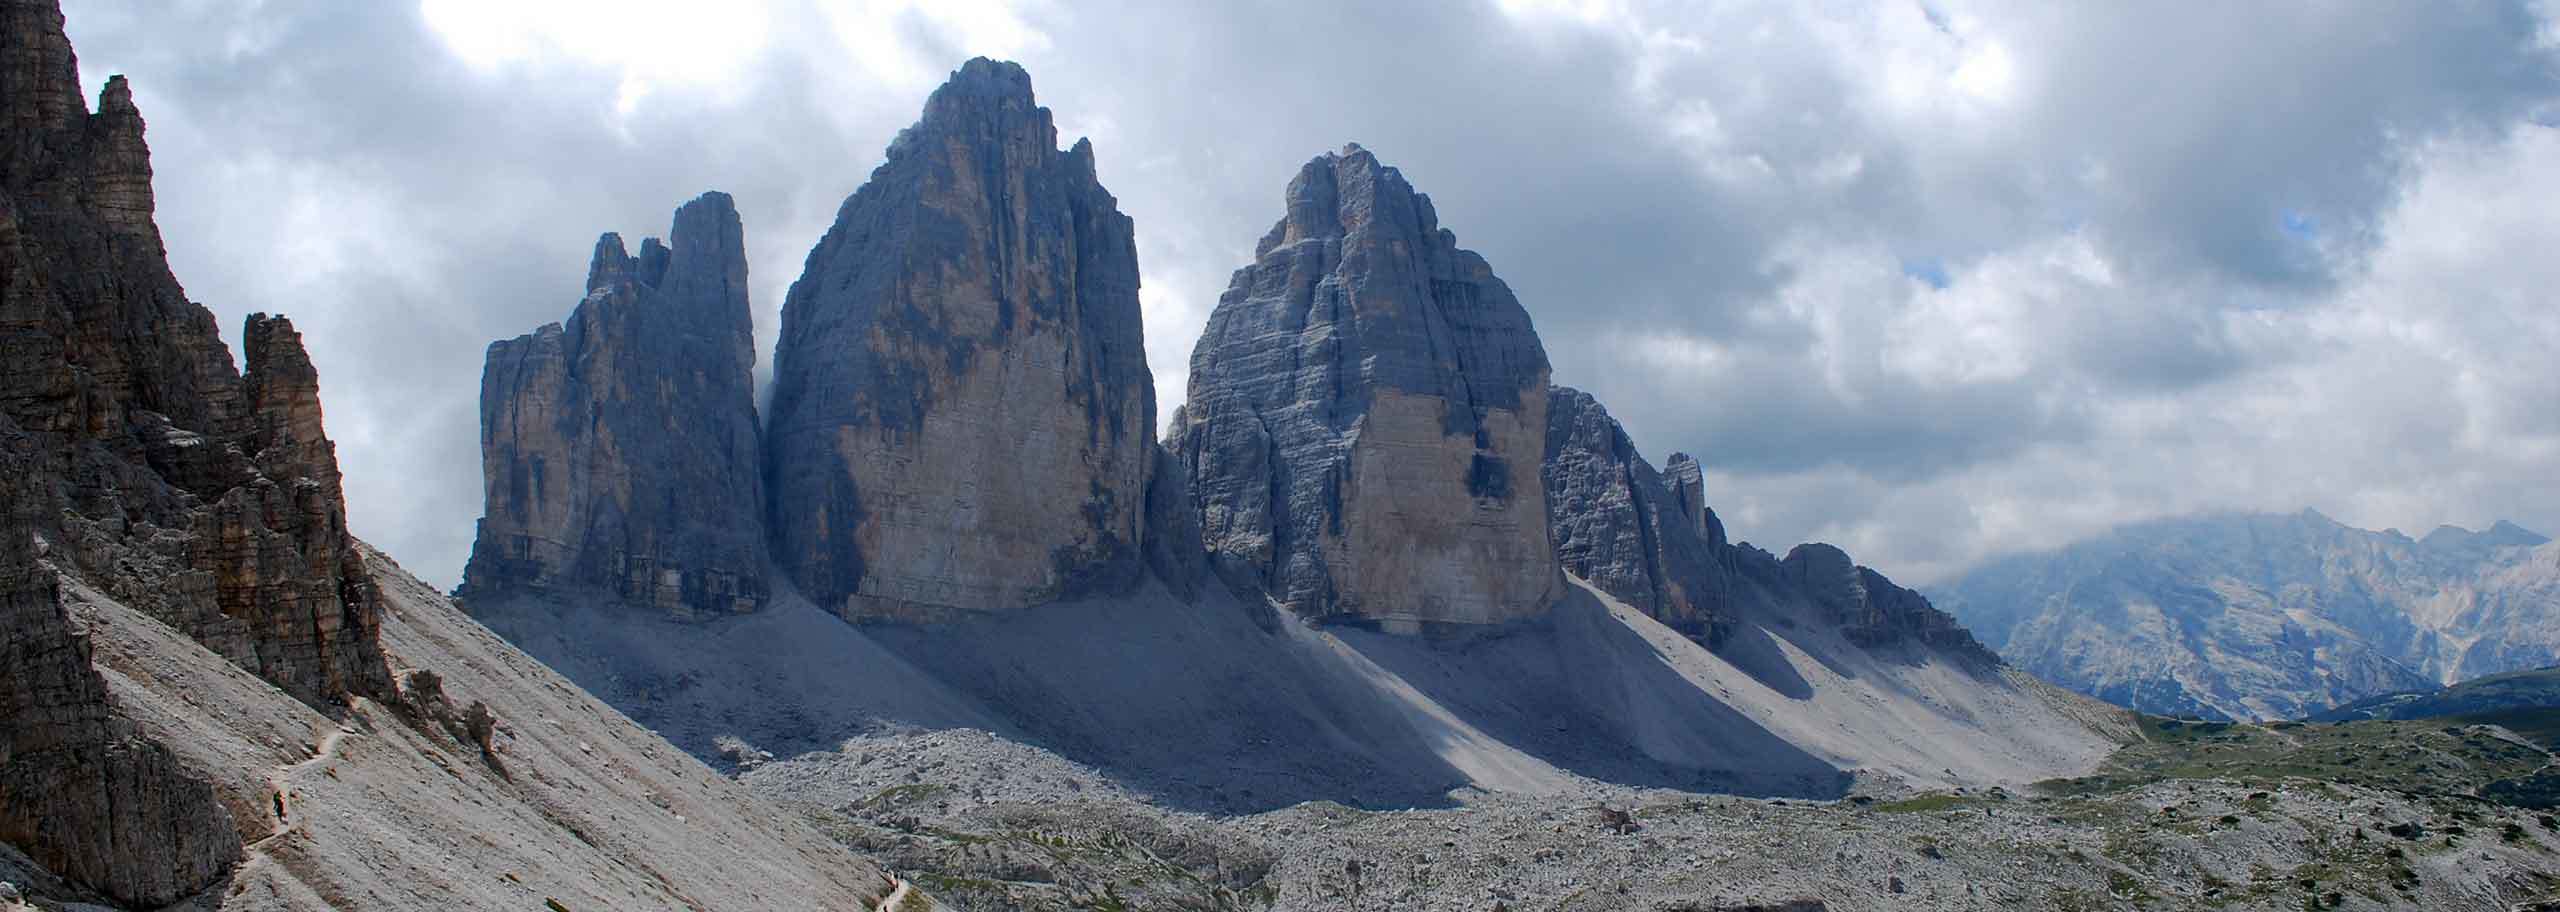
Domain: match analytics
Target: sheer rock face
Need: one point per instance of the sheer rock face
(209, 500)
(1367, 414)
(1626, 528)
(135, 461)
(80, 790)
(620, 452)
(963, 417)
(1688, 484)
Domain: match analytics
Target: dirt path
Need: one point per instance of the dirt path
(891, 902)
(280, 783)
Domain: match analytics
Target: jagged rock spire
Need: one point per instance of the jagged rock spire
(1367, 414)
(620, 453)
(962, 414)
(1629, 530)
(151, 470)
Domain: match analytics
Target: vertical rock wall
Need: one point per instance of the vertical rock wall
(621, 452)
(211, 501)
(80, 791)
(135, 459)
(1367, 415)
(963, 418)
(1626, 529)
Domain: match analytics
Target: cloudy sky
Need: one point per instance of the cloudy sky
(1930, 280)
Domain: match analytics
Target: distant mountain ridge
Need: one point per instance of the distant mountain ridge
(2268, 615)
(2537, 688)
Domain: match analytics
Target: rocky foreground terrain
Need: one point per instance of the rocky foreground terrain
(2266, 616)
(2366, 816)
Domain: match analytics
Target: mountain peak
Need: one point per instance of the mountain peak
(620, 454)
(963, 416)
(982, 89)
(2508, 533)
(1369, 444)
(988, 77)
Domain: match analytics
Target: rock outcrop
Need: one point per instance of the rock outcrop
(1367, 416)
(2256, 616)
(196, 699)
(620, 451)
(963, 419)
(136, 461)
(1626, 528)
(81, 791)
(209, 500)
(1688, 484)
(1869, 609)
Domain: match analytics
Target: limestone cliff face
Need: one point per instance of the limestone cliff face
(1367, 414)
(1626, 528)
(620, 452)
(135, 462)
(963, 418)
(1688, 484)
(80, 790)
(148, 451)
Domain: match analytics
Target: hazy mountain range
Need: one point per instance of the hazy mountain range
(2267, 616)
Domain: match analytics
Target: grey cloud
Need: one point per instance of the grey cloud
(1745, 177)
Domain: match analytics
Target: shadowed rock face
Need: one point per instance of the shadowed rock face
(963, 417)
(79, 791)
(1367, 415)
(1625, 528)
(1688, 484)
(1870, 610)
(215, 499)
(620, 452)
(136, 461)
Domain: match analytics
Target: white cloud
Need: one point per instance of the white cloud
(650, 43)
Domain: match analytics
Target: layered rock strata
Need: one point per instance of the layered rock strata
(81, 791)
(138, 463)
(1626, 528)
(620, 451)
(1367, 416)
(963, 417)
(209, 499)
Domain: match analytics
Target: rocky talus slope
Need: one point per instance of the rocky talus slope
(2268, 616)
(211, 695)
(620, 450)
(2280, 818)
(1367, 415)
(963, 419)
